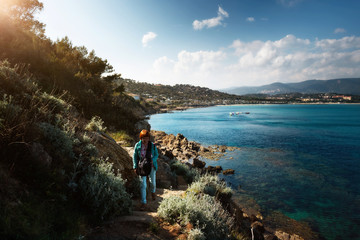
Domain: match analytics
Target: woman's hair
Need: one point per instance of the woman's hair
(144, 133)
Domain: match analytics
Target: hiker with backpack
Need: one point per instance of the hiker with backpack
(145, 164)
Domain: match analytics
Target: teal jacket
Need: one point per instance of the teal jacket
(137, 154)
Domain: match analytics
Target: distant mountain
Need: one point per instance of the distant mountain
(340, 86)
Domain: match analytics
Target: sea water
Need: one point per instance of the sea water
(300, 160)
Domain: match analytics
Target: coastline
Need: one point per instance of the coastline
(321, 224)
(184, 108)
(191, 153)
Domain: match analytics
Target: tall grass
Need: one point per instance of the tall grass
(122, 136)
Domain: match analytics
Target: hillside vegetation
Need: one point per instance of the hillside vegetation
(54, 103)
(180, 95)
(53, 182)
(60, 173)
(62, 67)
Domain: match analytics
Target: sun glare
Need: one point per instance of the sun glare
(5, 5)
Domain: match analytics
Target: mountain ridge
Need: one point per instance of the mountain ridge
(339, 85)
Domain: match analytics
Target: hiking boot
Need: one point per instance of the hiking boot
(142, 206)
(153, 195)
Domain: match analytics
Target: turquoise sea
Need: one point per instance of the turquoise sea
(300, 160)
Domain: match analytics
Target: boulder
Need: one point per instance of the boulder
(193, 146)
(108, 148)
(269, 236)
(258, 227)
(198, 163)
(38, 153)
(212, 169)
(228, 171)
(188, 154)
(286, 236)
(184, 142)
(222, 149)
(204, 149)
(176, 152)
(179, 136)
(168, 154)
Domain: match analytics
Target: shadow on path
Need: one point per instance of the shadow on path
(141, 225)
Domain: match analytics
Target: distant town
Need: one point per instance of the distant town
(163, 97)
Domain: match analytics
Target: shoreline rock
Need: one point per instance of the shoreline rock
(186, 151)
(229, 171)
(191, 153)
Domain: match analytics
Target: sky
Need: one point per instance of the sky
(214, 43)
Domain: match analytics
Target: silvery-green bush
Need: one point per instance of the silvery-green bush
(60, 142)
(8, 110)
(104, 191)
(201, 210)
(196, 234)
(211, 185)
(55, 104)
(96, 124)
(189, 174)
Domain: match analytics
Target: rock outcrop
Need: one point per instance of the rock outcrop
(228, 171)
(285, 236)
(190, 152)
(178, 147)
(108, 148)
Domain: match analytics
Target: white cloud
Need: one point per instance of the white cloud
(148, 37)
(212, 22)
(339, 30)
(250, 19)
(289, 59)
(289, 3)
(345, 43)
(194, 68)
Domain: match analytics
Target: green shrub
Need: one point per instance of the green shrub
(201, 210)
(16, 81)
(9, 112)
(90, 150)
(104, 191)
(133, 186)
(196, 234)
(95, 124)
(154, 227)
(67, 125)
(189, 174)
(211, 185)
(59, 142)
(56, 105)
(83, 146)
(85, 138)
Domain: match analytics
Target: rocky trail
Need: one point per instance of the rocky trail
(144, 225)
(141, 225)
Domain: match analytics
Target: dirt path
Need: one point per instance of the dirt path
(141, 225)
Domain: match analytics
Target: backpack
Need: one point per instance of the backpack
(145, 164)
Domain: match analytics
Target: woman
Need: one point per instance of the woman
(143, 149)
